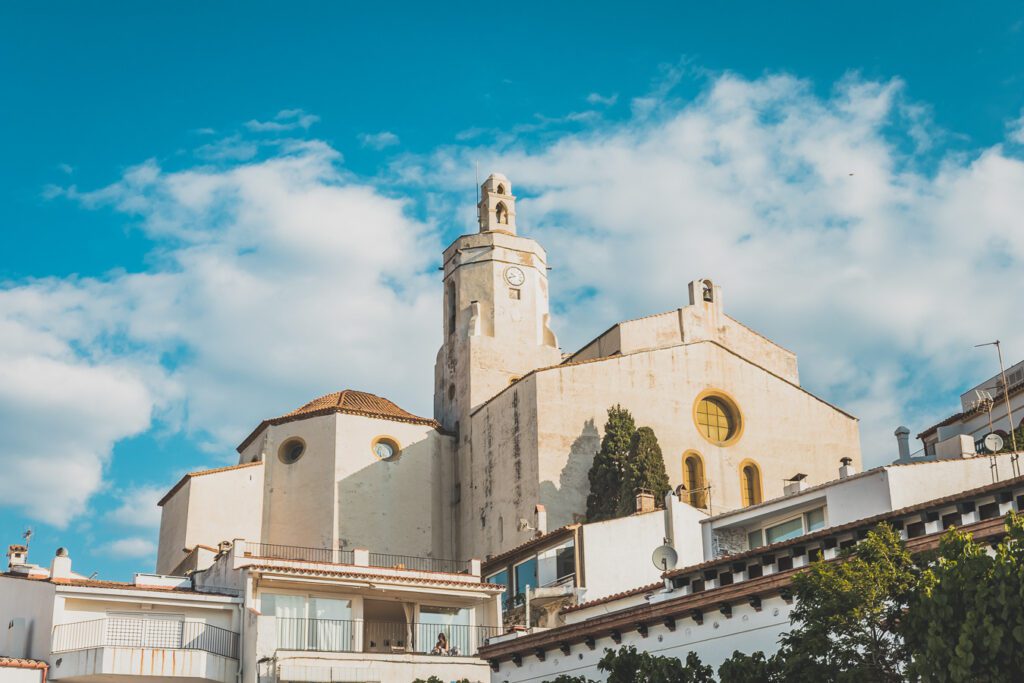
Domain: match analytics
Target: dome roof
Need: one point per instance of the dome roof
(349, 402)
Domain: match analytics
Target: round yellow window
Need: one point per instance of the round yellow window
(717, 418)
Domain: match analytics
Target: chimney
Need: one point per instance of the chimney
(795, 484)
(644, 500)
(541, 515)
(903, 440)
(846, 468)
(60, 568)
(16, 555)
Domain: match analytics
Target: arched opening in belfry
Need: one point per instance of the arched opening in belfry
(501, 189)
(450, 296)
(501, 213)
(707, 290)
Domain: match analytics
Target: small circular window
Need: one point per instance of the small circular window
(291, 450)
(386, 448)
(718, 418)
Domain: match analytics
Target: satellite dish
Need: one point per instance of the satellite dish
(665, 558)
(993, 443)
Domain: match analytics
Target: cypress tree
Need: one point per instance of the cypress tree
(644, 468)
(607, 470)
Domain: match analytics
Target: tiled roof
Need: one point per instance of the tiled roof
(1012, 391)
(114, 585)
(865, 522)
(349, 402)
(615, 596)
(533, 542)
(376, 577)
(181, 482)
(18, 663)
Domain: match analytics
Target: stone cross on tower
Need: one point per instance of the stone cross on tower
(497, 207)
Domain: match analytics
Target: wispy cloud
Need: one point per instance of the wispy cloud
(285, 120)
(133, 548)
(598, 98)
(378, 140)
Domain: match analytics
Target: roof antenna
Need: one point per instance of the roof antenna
(27, 535)
(476, 196)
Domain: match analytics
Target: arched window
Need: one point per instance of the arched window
(451, 307)
(501, 212)
(750, 483)
(501, 189)
(693, 480)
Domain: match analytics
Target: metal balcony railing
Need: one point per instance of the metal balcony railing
(299, 553)
(335, 556)
(166, 634)
(336, 635)
(418, 564)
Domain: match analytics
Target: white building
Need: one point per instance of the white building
(735, 602)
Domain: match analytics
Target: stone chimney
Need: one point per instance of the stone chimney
(903, 441)
(795, 484)
(16, 555)
(540, 514)
(60, 568)
(644, 500)
(846, 468)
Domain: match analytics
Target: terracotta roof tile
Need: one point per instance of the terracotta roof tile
(19, 663)
(114, 585)
(614, 596)
(375, 577)
(349, 402)
(181, 482)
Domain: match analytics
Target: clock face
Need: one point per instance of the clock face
(515, 276)
(383, 450)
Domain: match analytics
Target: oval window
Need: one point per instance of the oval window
(291, 450)
(386, 448)
(717, 418)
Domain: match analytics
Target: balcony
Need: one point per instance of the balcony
(169, 648)
(376, 637)
(359, 558)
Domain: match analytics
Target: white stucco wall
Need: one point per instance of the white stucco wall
(747, 631)
(32, 601)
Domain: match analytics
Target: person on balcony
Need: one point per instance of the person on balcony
(441, 648)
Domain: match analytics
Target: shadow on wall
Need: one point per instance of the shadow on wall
(388, 506)
(569, 496)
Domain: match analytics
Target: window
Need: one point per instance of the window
(291, 450)
(501, 213)
(791, 528)
(785, 531)
(385, 448)
(310, 623)
(526, 575)
(514, 293)
(693, 480)
(501, 578)
(565, 562)
(750, 483)
(717, 418)
(453, 622)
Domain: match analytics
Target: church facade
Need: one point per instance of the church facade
(516, 423)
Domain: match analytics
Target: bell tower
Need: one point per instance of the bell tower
(496, 320)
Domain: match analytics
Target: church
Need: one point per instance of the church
(517, 422)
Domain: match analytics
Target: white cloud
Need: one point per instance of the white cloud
(598, 98)
(378, 140)
(274, 281)
(827, 231)
(138, 507)
(285, 120)
(131, 548)
(1015, 130)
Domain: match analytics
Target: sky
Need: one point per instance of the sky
(215, 212)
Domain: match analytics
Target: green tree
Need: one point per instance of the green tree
(755, 668)
(965, 622)
(846, 614)
(627, 665)
(607, 471)
(644, 468)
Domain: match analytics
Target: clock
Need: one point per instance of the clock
(515, 276)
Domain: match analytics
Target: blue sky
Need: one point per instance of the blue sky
(191, 194)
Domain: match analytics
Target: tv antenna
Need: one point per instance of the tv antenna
(1014, 464)
(27, 535)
